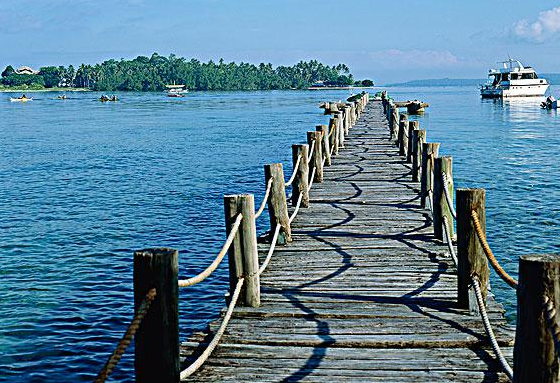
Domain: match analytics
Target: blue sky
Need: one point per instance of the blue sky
(383, 40)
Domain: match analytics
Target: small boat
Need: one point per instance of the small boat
(63, 97)
(550, 103)
(513, 80)
(21, 99)
(176, 90)
(106, 98)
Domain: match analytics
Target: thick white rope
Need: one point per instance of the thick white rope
(447, 196)
(550, 313)
(271, 249)
(430, 200)
(203, 275)
(265, 199)
(298, 204)
(311, 149)
(449, 241)
(212, 345)
(294, 173)
(506, 367)
(312, 179)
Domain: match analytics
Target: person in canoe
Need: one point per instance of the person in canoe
(63, 97)
(113, 98)
(104, 98)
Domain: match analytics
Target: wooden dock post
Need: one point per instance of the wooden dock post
(394, 124)
(412, 125)
(324, 129)
(317, 155)
(430, 151)
(403, 132)
(333, 127)
(156, 343)
(418, 139)
(243, 255)
(277, 205)
(470, 254)
(301, 183)
(340, 128)
(534, 357)
(442, 165)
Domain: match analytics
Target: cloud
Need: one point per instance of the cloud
(414, 58)
(545, 27)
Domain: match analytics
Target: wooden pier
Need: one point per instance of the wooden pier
(360, 279)
(364, 292)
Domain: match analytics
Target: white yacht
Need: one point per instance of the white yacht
(513, 80)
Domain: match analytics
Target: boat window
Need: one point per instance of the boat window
(514, 76)
(528, 76)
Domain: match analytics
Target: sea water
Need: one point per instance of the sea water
(85, 183)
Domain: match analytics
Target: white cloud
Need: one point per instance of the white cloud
(545, 27)
(414, 58)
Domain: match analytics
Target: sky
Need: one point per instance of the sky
(386, 41)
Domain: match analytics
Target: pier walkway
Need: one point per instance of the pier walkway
(364, 292)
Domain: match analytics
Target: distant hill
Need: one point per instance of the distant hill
(553, 78)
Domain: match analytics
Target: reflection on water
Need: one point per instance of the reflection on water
(84, 183)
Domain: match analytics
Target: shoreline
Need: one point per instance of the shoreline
(20, 90)
(339, 87)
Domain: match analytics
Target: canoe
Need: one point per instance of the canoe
(21, 99)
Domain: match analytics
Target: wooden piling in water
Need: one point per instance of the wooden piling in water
(324, 129)
(412, 125)
(470, 253)
(534, 358)
(301, 183)
(442, 165)
(156, 343)
(430, 151)
(277, 205)
(317, 155)
(418, 139)
(244, 248)
(403, 132)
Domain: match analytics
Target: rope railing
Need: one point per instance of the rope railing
(265, 199)
(311, 150)
(127, 337)
(552, 320)
(488, 328)
(294, 172)
(493, 261)
(448, 196)
(312, 178)
(271, 249)
(210, 269)
(449, 241)
(296, 210)
(212, 345)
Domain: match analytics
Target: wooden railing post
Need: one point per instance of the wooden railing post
(418, 138)
(394, 125)
(277, 204)
(317, 155)
(470, 254)
(324, 129)
(301, 183)
(156, 343)
(430, 152)
(403, 131)
(342, 121)
(534, 356)
(333, 124)
(412, 125)
(442, 165)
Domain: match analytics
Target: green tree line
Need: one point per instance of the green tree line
(153, 73)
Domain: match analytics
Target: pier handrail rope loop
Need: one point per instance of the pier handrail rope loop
(488, 328)
(448, 197)
(449, 241)
(210, 269)
(311, 150)
(212, 345)
(296, 210)
(294, 172)
(311, 181)
(493, 261)
(265, 199)
(551, 318)
(271, 249)
(127, 337)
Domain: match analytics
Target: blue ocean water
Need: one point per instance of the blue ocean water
(85, 183)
